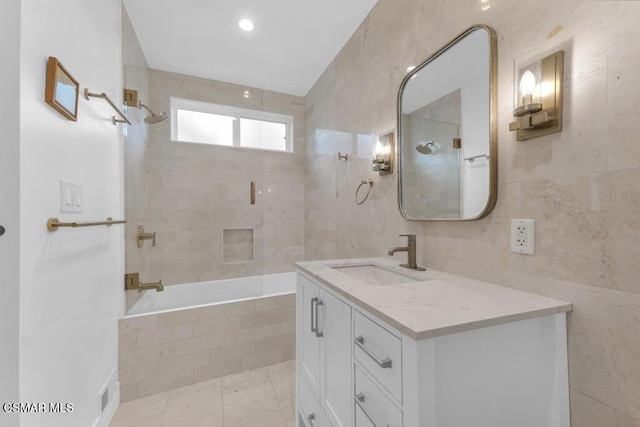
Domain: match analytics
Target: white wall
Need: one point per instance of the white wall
(69, 280)
(9, 197)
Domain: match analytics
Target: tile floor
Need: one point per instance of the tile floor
(262, 397)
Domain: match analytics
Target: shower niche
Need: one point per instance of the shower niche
(447, 152)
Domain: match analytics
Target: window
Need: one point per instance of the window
(206, 123)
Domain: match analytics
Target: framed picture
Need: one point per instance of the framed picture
(61, 90)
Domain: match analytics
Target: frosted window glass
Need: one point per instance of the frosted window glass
(205, 128)
(265, 135)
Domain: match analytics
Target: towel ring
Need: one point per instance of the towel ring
(369, 183)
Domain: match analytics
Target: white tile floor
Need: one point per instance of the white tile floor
(262, 397)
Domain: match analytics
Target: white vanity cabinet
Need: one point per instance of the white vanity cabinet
(443, 352)
(324, 356)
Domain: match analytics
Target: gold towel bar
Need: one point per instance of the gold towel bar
(104, 96)
(53, 224)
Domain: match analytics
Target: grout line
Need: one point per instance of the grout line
(284, 419)
(164, 414)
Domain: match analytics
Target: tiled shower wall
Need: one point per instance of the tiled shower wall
(160, 352)
(189, 193)
(582, 185)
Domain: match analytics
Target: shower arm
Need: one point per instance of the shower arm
(141, 105)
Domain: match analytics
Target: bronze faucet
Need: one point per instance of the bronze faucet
(411, 252)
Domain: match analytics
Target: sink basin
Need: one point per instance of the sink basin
(375, 275)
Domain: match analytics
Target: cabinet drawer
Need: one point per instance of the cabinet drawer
(379, 352)
(373, 407)
(309, 408)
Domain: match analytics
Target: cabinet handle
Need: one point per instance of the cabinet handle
(383, 363)
(360, 403)
(314, 329)
(311, 417)
(318, 333)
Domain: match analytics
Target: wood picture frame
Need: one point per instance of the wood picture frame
(61, 90)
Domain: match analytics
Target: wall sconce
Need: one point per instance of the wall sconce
(538, 98)
(383, 155)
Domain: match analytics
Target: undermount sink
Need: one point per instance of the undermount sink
(372, 274)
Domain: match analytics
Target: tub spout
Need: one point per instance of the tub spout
(159, 287)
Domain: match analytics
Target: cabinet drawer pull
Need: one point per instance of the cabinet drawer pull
(360, 402)
(314, 329)
(311, 417)
(383, 363)
(318, 333)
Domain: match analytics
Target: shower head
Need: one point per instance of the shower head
(425, 149)
(154, 117)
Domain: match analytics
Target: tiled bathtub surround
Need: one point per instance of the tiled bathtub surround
(161, 352)
(581, 185)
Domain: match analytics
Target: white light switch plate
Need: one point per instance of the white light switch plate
(523, 236)
(70, 197)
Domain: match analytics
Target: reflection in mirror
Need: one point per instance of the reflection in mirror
(446, 132)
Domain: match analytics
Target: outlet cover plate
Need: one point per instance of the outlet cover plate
(523, 236)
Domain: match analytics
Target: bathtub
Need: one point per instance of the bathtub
(200, 294)
(200, 331)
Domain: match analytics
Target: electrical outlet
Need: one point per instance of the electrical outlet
(523, 236)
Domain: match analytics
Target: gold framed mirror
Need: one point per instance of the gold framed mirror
(447, 131)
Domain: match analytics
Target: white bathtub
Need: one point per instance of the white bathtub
(200, 294)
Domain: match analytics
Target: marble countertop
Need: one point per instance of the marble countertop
(437, 304)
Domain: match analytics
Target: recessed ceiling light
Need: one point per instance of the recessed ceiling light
(246, 24)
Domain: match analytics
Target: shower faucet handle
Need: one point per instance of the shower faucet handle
(141, 236)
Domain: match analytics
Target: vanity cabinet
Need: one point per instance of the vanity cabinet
(506, 367)
(324, 356)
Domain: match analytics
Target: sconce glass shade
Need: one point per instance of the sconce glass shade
(383, 154)
(527, 86)
(527, 91)
(538, 97)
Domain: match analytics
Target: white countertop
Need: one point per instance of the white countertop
(441, 304)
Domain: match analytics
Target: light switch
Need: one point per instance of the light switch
(70, 197)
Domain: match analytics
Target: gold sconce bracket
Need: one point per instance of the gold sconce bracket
(534, 119)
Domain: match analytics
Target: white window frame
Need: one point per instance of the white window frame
(237, 113)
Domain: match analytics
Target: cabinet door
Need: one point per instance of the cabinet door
(309, 412)
(335, 368)
(308, 343)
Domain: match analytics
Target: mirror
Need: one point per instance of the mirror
(447, 118)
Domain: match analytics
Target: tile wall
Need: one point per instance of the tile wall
(162, 352)
(582, 185)
(189, 193)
